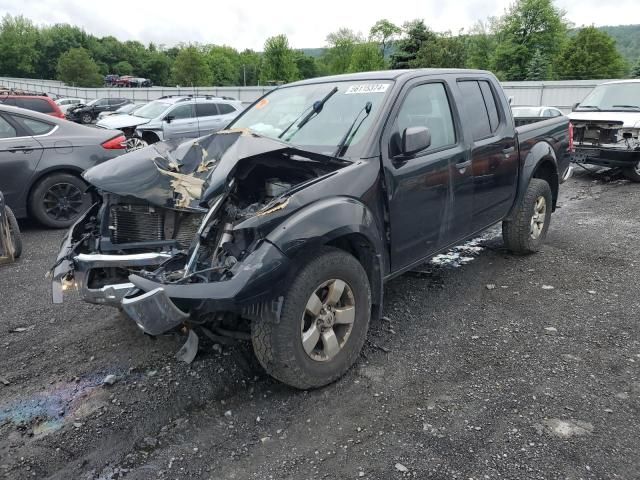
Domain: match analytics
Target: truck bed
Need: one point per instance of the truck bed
(554, 131)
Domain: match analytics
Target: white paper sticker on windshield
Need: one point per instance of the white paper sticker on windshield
(367, 88)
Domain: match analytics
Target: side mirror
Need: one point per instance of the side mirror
(169, 118)
(575, 105)
(415, 139)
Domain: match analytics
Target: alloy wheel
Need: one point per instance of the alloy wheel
(63, 201)
(538, 217)
(328, 320)
(135, 143)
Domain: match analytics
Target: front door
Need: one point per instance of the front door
(180, 122)
(19, 157)
(419, 187)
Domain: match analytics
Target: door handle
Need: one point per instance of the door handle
(509, 150)
(23, 148)
(463, 165)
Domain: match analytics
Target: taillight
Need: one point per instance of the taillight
(570, 138)
(116, 143)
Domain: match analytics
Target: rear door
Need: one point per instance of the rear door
(490, 173)
(180, 122)
(209, 119)
(419, 187)
(20, 154)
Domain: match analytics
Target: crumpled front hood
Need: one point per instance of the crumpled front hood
(116, 122)
(187, 174)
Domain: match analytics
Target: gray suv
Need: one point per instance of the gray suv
(173, 117)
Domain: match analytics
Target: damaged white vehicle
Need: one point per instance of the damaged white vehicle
(606, 127)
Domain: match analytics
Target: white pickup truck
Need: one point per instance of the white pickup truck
(606, 126)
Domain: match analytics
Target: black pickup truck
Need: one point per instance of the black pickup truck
(284, 227)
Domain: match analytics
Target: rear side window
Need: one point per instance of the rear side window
(225, 108)
(36, 104)
(36, 127)
(490, 103)
(475, 109)
(206, 109)
(6, 129)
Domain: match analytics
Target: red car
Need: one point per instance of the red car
(37, 103)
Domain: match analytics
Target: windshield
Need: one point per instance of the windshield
(613, 96)
(93, 102)
(286, 107)
(525, 112)
(152, 110)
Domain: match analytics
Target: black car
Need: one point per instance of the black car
(285, 226)
(89, 112)
(41, 160)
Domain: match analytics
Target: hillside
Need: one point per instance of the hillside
(627, 39)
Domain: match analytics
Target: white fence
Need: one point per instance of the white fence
(560, 94)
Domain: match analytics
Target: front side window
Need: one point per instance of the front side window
(6, 129)
(279, 113)
(427, 106)
(182, 111)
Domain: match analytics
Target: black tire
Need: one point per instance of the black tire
(52, 187)
(150, 137)
(278, 345)
(633, 173)
(86, 118)
(14, 233)
(518, 233)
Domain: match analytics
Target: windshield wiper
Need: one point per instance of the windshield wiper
(344, 143)
(625, 106)
(316, 108)
(589, 106)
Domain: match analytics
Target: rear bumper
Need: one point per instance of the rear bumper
(608, 157)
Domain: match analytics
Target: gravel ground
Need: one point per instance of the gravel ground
(501, 367)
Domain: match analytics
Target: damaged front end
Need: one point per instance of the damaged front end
(606, 143)
(180, 231)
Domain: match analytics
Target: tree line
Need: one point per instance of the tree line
(532, 40)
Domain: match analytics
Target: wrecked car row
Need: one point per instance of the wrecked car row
(286, 225)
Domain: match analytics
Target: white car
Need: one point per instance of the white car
(606, 127)
(129, 108)
(67, 103)
(531, 112)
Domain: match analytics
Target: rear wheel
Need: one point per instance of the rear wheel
(14, 233)
(633, 173)
(323, 325)
(527, 229)
(59, 199)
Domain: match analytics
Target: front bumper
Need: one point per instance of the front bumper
(608, 157)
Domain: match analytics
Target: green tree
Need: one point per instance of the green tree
(76, 67)
(123, 68)
(224, 63)
(190, 68)
(156, 67)
(538, 67)
(526, 27)
(366, 57)
(307, 67)
(590, 54)
(441, 51)
(635, 72)
(54, 41)
(250, 65)
(383, 32)
(480, 44)
(415, 34)
(18, 39)
(341, 45)
(278, 61)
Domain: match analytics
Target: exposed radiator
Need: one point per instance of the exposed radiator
(132, 223)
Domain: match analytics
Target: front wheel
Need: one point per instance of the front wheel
(86, 118)
(527, 229)
(633, 173)
(323, 325)
(135, 143)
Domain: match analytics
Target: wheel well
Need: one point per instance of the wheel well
(150, 137)
(46, 174)
(547, 171)
(358, 246)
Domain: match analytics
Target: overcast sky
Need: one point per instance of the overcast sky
(247, 23)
